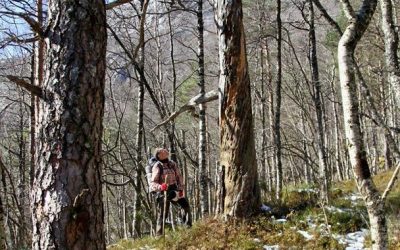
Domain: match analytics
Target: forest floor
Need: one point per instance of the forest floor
(302, 223)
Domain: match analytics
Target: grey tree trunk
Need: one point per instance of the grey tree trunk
(338, 158)
(347, 44)
(21, 188)
(202, 118)
(277, 111)
(237, 144)
(323, 168)
(137, 221)
(66, 199)
(391, 47)
(3, 216)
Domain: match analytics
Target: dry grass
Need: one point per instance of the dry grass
(256, 232)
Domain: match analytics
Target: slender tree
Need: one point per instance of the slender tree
(391, 47)
(277, 109)
(358, 23)
(202, 115)
(242, 197)
(140, 128)
(317, 98)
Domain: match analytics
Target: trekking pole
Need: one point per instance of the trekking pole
(165, 208)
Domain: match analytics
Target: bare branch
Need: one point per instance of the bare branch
(328, 18)
(391, 182)
(141, 29)
(116, 4)
(34, 90)
(199, 99)
(348, 9)
(35, 26)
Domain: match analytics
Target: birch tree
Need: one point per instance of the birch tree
(358, 23)
(202, 113)
(391, 39)
(317, 98)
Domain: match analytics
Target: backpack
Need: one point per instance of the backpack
(149, 169)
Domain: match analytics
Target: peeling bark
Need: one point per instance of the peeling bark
(237, 144)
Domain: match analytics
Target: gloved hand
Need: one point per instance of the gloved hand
(163, 187)
(181, 194)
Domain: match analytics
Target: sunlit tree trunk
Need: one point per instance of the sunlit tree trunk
(66, 195)
(38, 64)
(391, 47)
(347, 44)
(237, 144)
(202, 119)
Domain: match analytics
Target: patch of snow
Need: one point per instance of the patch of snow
(307, 190)
(305, 234)
(281, 220)
(257, 240)
(274, 247)
(354, 240)
(265, 208)
(337, 210)
(353, 197)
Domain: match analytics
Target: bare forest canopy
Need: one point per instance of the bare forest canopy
(163, 86)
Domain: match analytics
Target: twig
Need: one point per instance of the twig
(199, 99)
(391, 182)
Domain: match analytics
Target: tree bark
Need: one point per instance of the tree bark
(140, 127)
(391, 46)
(347, 44)
(237, 144)
(66, 198)
(3, 216)
(202, 114)
(317, 98)
(277, 110)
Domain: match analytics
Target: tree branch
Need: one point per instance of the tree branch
(199, 99)
(34, 90)
(328, 18)
(348, 9)
(391, 182)
(116, 4)
(35, 26)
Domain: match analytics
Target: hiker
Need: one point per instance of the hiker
(167, 179)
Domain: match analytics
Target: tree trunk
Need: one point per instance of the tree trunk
(237, 144)
(347, 44)
(391, 47)
(277, 111)
(66, 198)
(323, 169)
(202, 118)
(22, 228)
(140, 128)
(38, 74)
(3, 216)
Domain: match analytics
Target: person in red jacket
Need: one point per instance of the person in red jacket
(167, 179)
